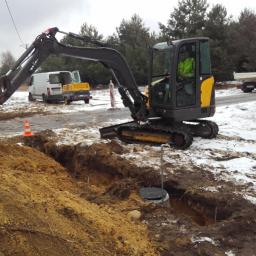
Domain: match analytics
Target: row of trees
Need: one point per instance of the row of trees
(232, 42)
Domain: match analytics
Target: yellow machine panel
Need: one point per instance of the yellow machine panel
(147, 137)
(206, 92)
(76, 87)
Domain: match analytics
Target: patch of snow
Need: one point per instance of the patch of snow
(211, 189)
(252, 199)
(237, 120)
(100, 100)
(228, 92)
(70, 136)
(195, 239)
(228, 145)
(229, 253)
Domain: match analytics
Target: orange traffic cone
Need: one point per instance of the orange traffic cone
(27, 132)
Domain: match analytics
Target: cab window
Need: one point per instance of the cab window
(205, 61)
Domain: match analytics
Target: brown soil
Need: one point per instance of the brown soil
(11, 115)
(43, 211)
(82, 209)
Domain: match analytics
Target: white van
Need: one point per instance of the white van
(48, 86)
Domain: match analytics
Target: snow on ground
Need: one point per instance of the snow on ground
(100, 100)
(86, 136)
(227, 92)
(237, 120)
(19, 102)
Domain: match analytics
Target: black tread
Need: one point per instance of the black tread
(177, 129)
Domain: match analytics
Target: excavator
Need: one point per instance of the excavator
(176, 104)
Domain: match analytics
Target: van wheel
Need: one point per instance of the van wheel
(86, 101)
(66, 101)
(30, 97)
(246, 89)
(44, 98)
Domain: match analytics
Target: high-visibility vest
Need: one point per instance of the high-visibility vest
(186, 68)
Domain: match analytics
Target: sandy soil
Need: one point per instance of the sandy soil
(45, 211)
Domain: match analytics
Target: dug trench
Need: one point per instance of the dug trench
(197, 222)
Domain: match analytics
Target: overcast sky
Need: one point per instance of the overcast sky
(33, 16)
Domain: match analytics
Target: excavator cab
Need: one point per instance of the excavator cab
(181, 82)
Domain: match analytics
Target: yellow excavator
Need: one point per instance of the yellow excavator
(177, 98)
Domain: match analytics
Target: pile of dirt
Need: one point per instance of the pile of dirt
(43, 211)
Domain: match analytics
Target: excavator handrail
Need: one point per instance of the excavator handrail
(46, 44)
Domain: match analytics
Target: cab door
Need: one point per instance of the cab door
(186, 76)
(76, 76)
(207, 96)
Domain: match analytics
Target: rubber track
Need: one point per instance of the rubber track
(176, 129)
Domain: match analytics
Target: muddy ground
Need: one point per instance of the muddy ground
(84, 200)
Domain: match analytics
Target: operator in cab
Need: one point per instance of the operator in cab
(186, 91)
(186, 64)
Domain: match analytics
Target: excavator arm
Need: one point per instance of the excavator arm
(47, 44)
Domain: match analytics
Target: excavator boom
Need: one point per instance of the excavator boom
(47, 44)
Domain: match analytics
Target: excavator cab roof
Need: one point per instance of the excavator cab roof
(167, 45)
(161, 46)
